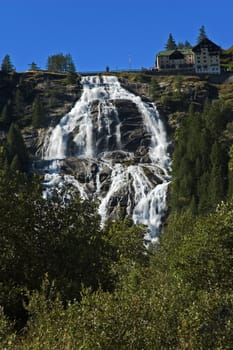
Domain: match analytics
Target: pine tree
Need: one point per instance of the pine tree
(16, 146)
(7, 66)
(3, 158)
(19, 104)
(187, 45)
(5, 117)
(61, 63)
(171, 44)
(193, 206)
(16, 165)
(33, 66)
(38, 113)
(180, 45)
(216, 183)
(154, 88)
(202, 34)
(184, 45)
(230, 173)
(203, 194)
(70, 66)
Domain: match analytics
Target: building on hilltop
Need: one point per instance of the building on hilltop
(202, 58)
(175, 59)
(207, 57)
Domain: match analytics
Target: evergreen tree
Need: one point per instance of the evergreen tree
(154, 89)
(19, 105)
(200, 160)
(230, 173)
(16, 165)
(171, 44)
(5, 117)
(71, 78)
(60, 63)
(70, 66)
(184, 45)
(7, 66)
(215, 118)
(16, 146)
(38, 113)
(202, 193)
(187, 45)
(3, 158)
(180, 46)
(33, 66)
(202, 34)
(216, 183)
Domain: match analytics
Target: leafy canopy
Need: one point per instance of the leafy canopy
(61, 63)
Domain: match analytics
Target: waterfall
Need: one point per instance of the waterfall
(114, 154)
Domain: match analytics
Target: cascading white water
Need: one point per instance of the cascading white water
(94, 138)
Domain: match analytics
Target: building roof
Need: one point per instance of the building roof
(206, 43)
(165, 53)
(171, 52)
(176, 55)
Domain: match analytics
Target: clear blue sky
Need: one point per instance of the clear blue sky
(118, 33)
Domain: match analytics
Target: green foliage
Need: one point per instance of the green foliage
(61, 63)
(6, 117)
(182, 299)
(126, 242)
(19, 105)
(200, 160)
(202, 34)
(39, 237)
(68, 284)
(16, 165)
(3, 157)
(7, 335)
(16, 149)
(197, 253)
(39, 118)
(171, 44)
(178, 87)
(208, 322)
(180, 45)
(155, 90)
(198, 248)
(230, 173)
(7, 66)
(184, 45)
(226, 59)
(50, 325)
(187, 45)
(33, 66)
(71, 78)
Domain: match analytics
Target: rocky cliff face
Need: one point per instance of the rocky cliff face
(18, 92)
(108, 149)
(111, 147)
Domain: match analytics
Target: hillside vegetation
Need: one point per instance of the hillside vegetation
(68, 283)
(227, 58)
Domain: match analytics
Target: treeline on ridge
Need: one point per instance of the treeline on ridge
(55, 63)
